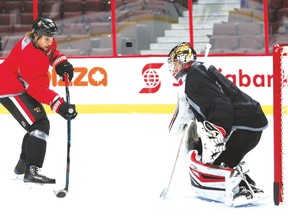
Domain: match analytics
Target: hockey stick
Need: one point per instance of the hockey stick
(207, 50)
(165, 190)
(62, 193)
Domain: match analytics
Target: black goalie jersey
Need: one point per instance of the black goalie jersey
(215, 98)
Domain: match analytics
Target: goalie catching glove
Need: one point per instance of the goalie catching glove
(67, 111)
(181, 116)
(213, 141)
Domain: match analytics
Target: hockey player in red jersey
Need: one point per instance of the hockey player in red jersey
(227, 122)
(24, 88)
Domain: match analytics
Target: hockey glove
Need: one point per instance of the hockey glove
(65, 67)
(213, 141)
(67, 111)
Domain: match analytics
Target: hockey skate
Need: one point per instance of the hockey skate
(20, 168)
(33, 175)
(241, 189)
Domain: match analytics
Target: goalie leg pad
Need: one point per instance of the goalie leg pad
(222, 184)
(208, 181)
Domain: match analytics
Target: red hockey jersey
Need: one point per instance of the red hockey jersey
(26, 69)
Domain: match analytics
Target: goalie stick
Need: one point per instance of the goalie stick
(207, 50)
(183, 138)
(62, 193)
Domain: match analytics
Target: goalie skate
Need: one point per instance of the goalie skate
(246, 192)
(242, 201)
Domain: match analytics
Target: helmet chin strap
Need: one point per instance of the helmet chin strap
(35, 34)
(35, 43)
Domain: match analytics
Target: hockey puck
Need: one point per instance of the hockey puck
(61, 193)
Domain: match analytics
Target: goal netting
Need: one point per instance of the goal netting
(280, 111)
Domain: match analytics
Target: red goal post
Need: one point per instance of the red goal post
(280, 119)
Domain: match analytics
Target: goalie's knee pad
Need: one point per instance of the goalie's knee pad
(208, 181)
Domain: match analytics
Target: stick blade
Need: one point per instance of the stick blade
(163, 194)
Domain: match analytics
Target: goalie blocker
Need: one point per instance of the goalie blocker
(212, 139)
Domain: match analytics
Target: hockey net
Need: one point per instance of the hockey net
(280, 115)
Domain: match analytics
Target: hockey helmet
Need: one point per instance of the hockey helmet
(180, 57)
(44, 26)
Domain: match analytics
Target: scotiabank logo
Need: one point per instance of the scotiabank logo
(96, 76)
(244, 79)
(151, 78)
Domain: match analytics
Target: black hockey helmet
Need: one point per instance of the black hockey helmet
(44, 26)
(181, 57)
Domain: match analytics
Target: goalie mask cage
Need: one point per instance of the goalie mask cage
(280, 103)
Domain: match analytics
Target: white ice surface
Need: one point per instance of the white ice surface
(119, 166)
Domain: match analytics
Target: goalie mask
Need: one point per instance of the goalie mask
(180, 58)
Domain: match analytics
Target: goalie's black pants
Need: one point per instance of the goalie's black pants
(32, 116)
(237, 146)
